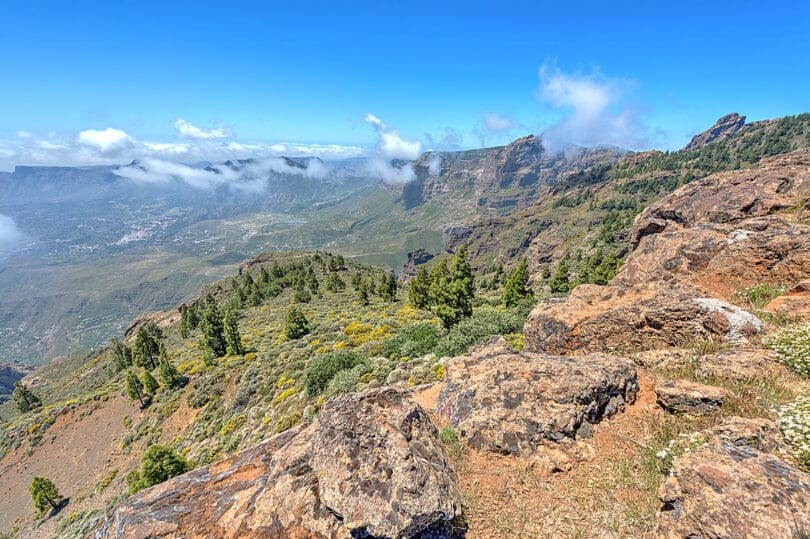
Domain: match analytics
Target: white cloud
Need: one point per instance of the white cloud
(494, 122)
(10, 235)
(391, 144)
(384, 170)
(189, 130)
(107, 141)
(595, 110)
(250, 177)
(434, 165)
(24, 134)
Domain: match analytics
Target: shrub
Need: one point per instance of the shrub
(158, 464)
(794, 422)
(414, 340)
(792, 347)
(286, 422)
(483, 324)
(322, 368)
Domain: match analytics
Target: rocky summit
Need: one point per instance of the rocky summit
(371, 465)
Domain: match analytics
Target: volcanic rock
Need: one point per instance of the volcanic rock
(729, 488)
(370, 465)
(510, 402)
(606, 318)
(685, 396)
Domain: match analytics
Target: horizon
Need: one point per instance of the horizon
(99, 84)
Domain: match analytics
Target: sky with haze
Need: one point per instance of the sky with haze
(106, 82)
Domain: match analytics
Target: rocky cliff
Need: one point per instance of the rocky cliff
(725, 127)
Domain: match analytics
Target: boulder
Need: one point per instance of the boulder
(738, 365)
(685, 396)
(729, 488)
(794, 303)
(370, 465)
(509, 403)
(608, 318)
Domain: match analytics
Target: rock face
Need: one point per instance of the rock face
(685, 396)
(692, 252)
(370, 465)
(722, 233)
(729, 488)
(606, 318)
(725, 127)
(510, 402)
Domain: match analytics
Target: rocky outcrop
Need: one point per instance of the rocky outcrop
(415, 259)
(728, 230)
(725, 127)
(730, 488)
(508, 402)
(693, 251)
(608, 318)
(687, 397)
(370, 465)
(794, 303)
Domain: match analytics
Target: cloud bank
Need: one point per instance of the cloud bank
(10, 235)
(391, 146)
(251, 176)
(596, 110)
(111, 146)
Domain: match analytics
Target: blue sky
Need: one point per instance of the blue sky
(638, 74)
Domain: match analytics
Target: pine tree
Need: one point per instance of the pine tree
(233, 341)
(147, 346)
(419, 290)
(314, 285)
(185, 329)
(517, 287)
(264, 277)
(301, 295)
(122, 355)
(150, 385)
(356, 280)
(388, 287)
(560, 283)
(167, 372)
(135, 388)
(24, 399)
(362, 294)
(438, 279)
(334, 283)
(212, 340)
(44, 493)
(454, 291)
(296, 324)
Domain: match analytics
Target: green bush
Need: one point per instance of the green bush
(323, 368)
(480, 326)
(158, 464)
(414, 340)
